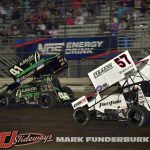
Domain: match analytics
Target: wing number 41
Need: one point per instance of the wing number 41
(15, 70)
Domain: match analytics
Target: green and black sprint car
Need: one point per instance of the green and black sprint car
(44, 89)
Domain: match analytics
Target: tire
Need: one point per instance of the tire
(47, 100)
(68, 91)
(137, 116)
(82, 116)
(4, 102)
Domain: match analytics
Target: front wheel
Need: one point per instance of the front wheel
(137, 116)
(82, 116)
(4, 102)
(47, 100)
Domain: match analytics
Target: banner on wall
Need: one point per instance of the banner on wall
(73, 48)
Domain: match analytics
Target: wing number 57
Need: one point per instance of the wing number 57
(122, 60)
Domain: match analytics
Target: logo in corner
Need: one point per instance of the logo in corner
(11, 139)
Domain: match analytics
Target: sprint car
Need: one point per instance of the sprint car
(129, 102)
(44, 89)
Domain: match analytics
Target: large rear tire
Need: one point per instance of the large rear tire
(47, 100)
(137, 116)
(82, 116)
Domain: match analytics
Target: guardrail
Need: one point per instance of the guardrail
(65, 81)
(80, 86)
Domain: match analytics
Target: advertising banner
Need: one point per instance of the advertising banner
(73, 48)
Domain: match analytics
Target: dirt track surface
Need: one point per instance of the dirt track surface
(58, 121)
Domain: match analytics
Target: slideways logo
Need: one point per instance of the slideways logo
(10, 139)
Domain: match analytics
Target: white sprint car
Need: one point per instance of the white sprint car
(130, 102)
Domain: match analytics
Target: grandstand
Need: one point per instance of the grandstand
(47, 19)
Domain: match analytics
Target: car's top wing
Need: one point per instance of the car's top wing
(112, 71)
(37, 64)
(52, 65)
(143, 73)
(143, 67)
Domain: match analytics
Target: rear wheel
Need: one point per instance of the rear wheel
(4, 102)
(68, 91)
(137, 116)
(82, 116)
(47, 100)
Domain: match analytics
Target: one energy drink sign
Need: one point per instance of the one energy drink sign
(73, 48)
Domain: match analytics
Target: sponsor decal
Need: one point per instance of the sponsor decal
(26, 76)
(80, 102)
(109, 103)
(86, 47)
(26, 90)
(50, 48)
(11, 139)
(129, 72)
(100, 88)
(35, 56)
(102, 70)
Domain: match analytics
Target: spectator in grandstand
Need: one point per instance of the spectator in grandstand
(34, 3)
(76, 4)
(85, 3)
(123, 25)
(102, 27)
(40, 15)
(31, 20)
(80, 20)
(46, 13)
(24, 28)
(122, 9)
(1, 19)
(145, 7)
(2, 14)
(16, 14)
(14, 30)
(61, 10)
(41, 28)
(9, 12)
(130, 20)
(53, 32)
(114, 25)
(32, 29)
(95, 6)
(69, 20)
(27, 6)
(131, 3)
(91, 17)
(54, 15)
(123, 1)
(84, 12)
(3, 32)
(59, 1)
